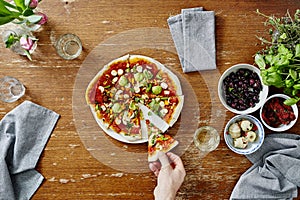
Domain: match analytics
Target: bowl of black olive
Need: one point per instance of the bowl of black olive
(241, 89)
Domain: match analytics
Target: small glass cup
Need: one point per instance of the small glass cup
(206, 139)
(68, 46)
(11, 89)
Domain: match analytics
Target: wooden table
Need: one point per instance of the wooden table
(71, 169)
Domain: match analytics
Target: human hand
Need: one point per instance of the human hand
(170, 172)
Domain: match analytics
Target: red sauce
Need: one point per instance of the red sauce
(275, 112)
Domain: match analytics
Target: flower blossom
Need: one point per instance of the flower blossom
(44, 18)
(26, 42)
(33, 4)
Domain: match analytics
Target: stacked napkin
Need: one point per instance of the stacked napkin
(193, 33)
(24, 132)
(275, 173)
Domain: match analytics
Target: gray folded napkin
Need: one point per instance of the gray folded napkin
(193, 33)
(275, 173)
(24, 132)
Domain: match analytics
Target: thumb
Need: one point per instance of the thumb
(163, 158)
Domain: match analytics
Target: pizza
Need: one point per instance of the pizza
(158, 141)
(119, 90)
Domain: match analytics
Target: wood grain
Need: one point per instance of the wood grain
(70, 170)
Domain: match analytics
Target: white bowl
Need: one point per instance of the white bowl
(262, 96)
(252, 146)
(282, 127)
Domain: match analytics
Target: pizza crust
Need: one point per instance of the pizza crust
(154, 156)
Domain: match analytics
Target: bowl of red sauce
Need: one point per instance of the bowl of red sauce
(277, 116)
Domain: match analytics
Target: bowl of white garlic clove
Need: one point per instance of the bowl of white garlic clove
(244, 134)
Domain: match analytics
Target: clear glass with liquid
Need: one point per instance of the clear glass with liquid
(206, 138)
(68, 46)
(11, 89)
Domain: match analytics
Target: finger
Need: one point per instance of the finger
(154, 166)
(176, 160)
(163, 158)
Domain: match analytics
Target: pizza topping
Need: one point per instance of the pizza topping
(115, 80)
(164, 85)
(103, 108)
(167, 92)
(118, 93)
(139, 68)
(118, 121)
(120, 72)
(136, 89)
(164, 111)
(116, 108)
(125, 118)
(101, 88)
(156, 89)
(162, 104)
(123, 81)
(132, 106)
(148, 74)
(114, 73)
(138, 77)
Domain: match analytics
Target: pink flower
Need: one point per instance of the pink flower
(44, 18)
(26, 42)
(33, 4)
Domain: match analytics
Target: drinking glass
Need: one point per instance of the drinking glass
(11, 89)
(68, 46)
(206, 139)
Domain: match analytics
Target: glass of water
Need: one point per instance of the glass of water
(68, 46)
(11, 89)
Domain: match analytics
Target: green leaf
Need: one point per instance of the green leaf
(34, 18)
(291, 101)
(297, 86)
(270, 59)
(259, 60)
(283, 50)
(294, 92)
(293, 74)
(20, 4)
(283, 36)
(28, 55)
(297, 51)
(10, 40)
(281, 60)
(289, 83)
(274, 79)
(5, 20)
(3, 10)
(27, 2)
(28, 12)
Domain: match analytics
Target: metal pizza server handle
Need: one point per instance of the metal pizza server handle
(154, 118)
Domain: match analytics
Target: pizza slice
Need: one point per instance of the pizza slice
(167, 108)
(158, 141)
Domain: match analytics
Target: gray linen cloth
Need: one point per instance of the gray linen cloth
(275, 173)
(24, 132)
(193, 33)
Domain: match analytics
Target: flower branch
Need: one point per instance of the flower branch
(23, 14)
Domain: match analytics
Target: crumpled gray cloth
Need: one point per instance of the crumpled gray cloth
(24, 132)
(193, 33)
(275, 173)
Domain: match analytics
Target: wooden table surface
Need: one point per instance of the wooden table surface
(77, 167)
